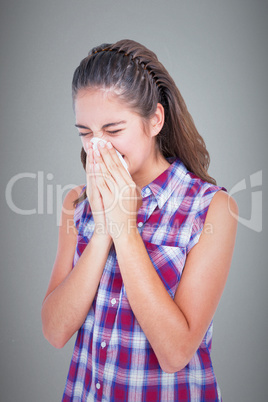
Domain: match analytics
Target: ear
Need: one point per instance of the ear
(157, 121)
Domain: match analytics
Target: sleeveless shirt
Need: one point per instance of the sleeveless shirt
(112, 358)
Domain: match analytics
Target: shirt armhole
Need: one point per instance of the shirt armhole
(79, 210)
(200, 216)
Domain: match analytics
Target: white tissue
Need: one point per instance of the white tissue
(95, 141)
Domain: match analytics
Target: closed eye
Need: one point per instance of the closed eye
(109, 132)
(114, 132)
(83, 134)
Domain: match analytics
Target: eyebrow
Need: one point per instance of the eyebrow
(104, 126)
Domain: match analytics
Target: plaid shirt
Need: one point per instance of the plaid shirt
(112, 359)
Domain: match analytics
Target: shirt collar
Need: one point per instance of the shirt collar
(164, 185)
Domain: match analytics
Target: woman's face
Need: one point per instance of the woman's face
(100, 114)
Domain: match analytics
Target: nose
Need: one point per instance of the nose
(99, 134)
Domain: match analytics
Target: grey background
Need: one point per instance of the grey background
(217, 53)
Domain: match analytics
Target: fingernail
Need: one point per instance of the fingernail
(102, 145)
(109, 145)
(97, 152)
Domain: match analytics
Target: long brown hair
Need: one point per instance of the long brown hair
(141, 81)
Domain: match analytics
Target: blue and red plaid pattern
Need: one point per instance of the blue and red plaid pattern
(112, 359)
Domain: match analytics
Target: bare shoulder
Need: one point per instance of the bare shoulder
(71, 196)
(223, 207)
(222, 199)
(68, 206)
(67, 213)
(220, 223)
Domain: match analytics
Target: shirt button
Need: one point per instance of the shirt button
(103, 344)
(98, 385)
(140, 224)
(113, 301)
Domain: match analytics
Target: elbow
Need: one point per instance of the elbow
(54, 339)
(174, 362)
(56, 343)
(171, 367)
(57, 339)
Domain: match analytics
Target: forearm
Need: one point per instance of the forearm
(66, 307)
(162, 321)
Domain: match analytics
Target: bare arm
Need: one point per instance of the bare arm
(71, 291)
(175, 328)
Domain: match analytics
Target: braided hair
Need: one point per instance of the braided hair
(136, 76)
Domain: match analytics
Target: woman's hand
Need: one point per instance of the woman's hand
(94, 196)
(118, 191)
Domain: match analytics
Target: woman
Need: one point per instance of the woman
(142, 272)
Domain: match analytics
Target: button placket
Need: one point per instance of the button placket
(109, 312)
(103, 352)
